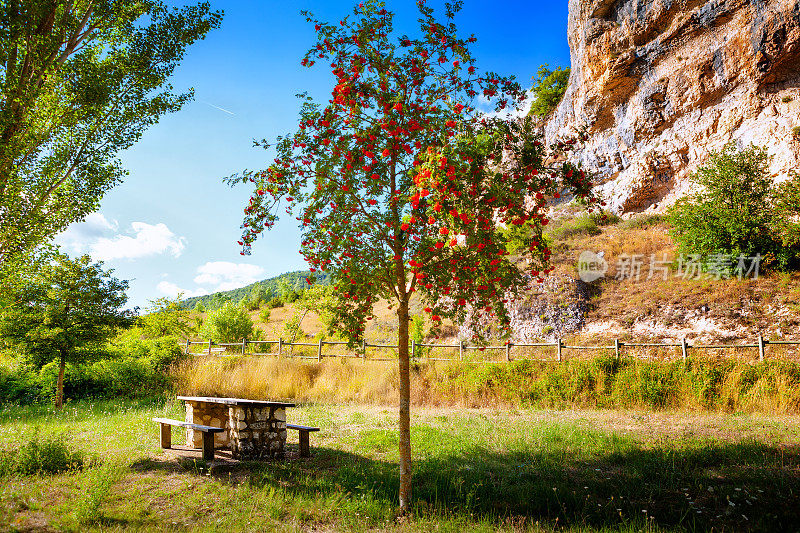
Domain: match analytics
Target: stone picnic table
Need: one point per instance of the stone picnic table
(254, 429)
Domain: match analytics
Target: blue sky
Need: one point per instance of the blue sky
(173, 225)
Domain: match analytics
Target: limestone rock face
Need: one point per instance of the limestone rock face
(658, 84)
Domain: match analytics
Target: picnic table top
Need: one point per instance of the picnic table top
(235, 401)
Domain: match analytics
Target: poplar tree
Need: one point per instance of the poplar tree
(80, 80)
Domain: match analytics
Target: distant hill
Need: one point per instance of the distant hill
(295, 281)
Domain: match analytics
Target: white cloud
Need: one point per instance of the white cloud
(78, 238)
(101, 239)
(170, 289)
(215, 276)
(143, 240)
(487, 107)
(224, 275)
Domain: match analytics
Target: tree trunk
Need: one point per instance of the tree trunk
(60, 384)
(405, 409)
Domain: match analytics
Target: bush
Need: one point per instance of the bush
(229, 323)
(291, 328)
(548, 89)
(642, 222)
(109, 378)
(165, 317)
(582, 225)
(739, 211)
(160, 353)
(19, 384)
(41, 455)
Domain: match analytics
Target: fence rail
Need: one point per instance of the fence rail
(417, 349)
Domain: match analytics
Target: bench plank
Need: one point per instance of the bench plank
(302, 428)
(199, 427)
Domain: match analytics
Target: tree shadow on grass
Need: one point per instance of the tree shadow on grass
(747, 486)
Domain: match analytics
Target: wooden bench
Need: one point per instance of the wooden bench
(304, 431)
(208, 434)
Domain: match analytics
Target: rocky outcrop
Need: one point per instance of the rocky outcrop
(548, 311)
(658, 84)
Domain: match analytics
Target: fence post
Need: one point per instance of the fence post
(558, 344)
(319, 350)
(187, 347)
(617, 344)
(209, 346)
(684, 348)
(760, 348)
(244, 343)
(508, 351)
(280, 347)
(363, 350)
(413, 348)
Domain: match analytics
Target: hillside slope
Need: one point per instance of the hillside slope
(662, 306)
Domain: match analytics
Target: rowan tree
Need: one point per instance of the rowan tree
(400, 184)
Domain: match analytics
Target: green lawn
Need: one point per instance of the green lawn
(475, 470)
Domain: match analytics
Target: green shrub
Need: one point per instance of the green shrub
(292, 329)
(646, 385)
(581, 225)
(19, 384)
(417, 332)
(108, 378)
(642, 221)
(229, 323)
(604, 218)
(165, 317)
(738, 212)
(274, 302)
(548, 89)
(608, 382)
(41, 456)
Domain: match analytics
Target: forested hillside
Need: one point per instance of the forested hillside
(279, 286)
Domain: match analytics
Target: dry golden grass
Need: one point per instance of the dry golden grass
(585, 379)
(274, 377)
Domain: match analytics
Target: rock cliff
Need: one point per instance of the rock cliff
(659, 83)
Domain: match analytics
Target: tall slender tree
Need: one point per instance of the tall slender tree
(400, 184)
(80, 80)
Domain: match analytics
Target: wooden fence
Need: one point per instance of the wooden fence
(418, 349)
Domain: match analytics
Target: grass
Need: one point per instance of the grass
(594, 381)
(475, 470)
